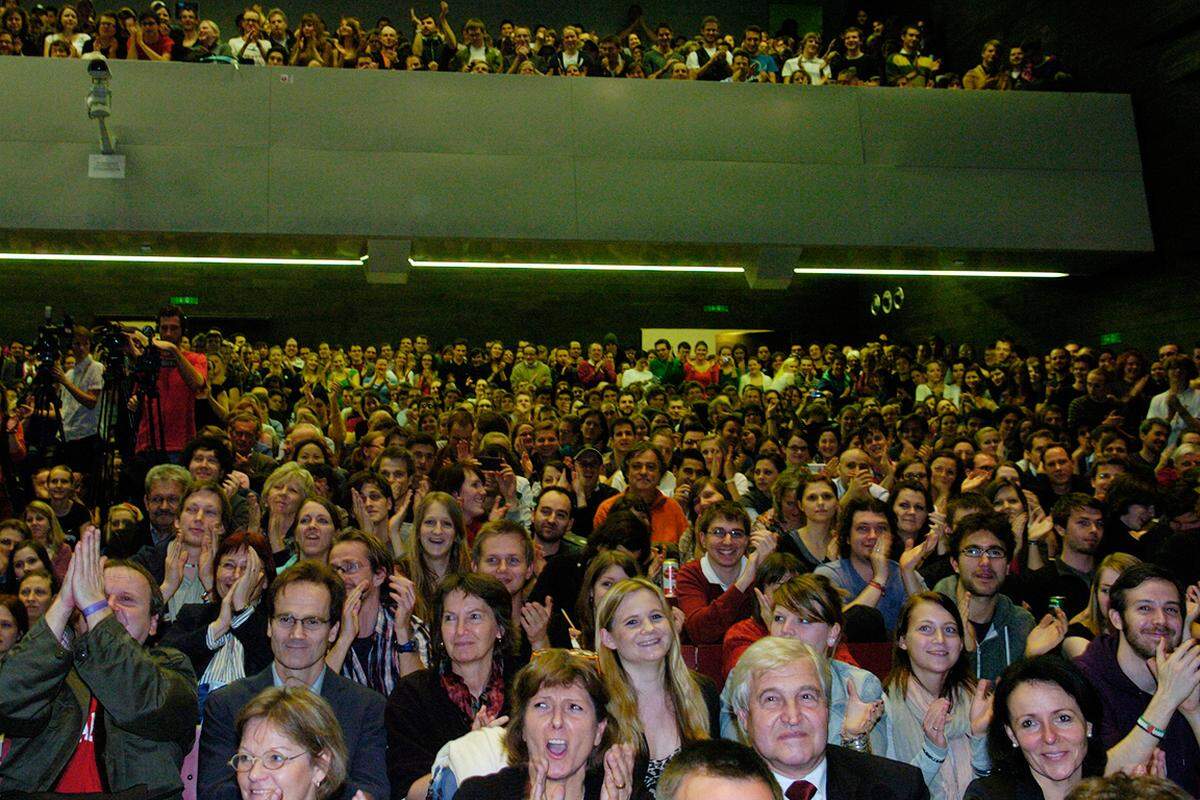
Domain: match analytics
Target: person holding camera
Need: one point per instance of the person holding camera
(81, 387)
(181, 376)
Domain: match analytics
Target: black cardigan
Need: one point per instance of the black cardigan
(420, 719)
(189, 634)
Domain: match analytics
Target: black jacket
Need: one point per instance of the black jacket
(860, 776)
(358, 709)
(189, 634)
(421, 718)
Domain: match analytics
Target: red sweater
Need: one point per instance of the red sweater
(750, 630)
(737, 639)
(709, 611)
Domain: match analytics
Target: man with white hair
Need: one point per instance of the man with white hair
(781, 701)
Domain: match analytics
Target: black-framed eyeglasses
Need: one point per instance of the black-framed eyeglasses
(992, 553)
(736, 534)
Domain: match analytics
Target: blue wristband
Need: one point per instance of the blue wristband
(99, 605)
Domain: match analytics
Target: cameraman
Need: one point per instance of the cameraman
(181, 376)
(81, 389)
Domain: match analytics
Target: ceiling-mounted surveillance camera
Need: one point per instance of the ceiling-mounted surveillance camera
(97, 68)
(898, 297)
(887, 302)
(99, 101)
(875, 306)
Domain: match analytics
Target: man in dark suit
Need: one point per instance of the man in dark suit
(306, 606)
(781, 702)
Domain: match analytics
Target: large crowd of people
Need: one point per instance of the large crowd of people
(869, 50)
(583, 569)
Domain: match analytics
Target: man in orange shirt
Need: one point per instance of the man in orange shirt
(644, 468)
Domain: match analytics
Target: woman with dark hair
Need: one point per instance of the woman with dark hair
(465, 484)
(562, 742)
(27, 555)
(16, 22)
(912, 504)
(312, 43)
(936, 714)
(1131, 507)
(808, 608)
(767, 468)
(806, 513)
(1093, 621)
(465, 689)
(1040, 735)
(827, 443)
(606, 569)
(14, 621)
(864, 571)
(700, 368)
(945, 478)
(226, 638)
(67, 29)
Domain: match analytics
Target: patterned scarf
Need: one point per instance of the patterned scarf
(492, 697)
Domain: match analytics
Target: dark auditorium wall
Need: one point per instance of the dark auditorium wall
(1144, 307)
(338, 305)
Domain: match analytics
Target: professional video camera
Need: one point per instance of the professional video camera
(52, 341)
(125, 350)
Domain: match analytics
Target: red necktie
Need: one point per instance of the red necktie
(800, 790)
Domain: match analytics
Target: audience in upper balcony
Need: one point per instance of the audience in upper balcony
(869, 52)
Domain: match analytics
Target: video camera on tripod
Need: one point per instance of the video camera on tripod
(52, 341)
(127, 351)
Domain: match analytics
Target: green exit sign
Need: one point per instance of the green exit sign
(185, 300)
(717, 309)
(1110, 338)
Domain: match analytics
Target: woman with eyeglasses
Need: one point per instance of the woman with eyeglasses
(658, 704)
(290, 747)
(226, 638)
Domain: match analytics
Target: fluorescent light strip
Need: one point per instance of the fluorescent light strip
(930, 273)
(112, 258)
(574, 267)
